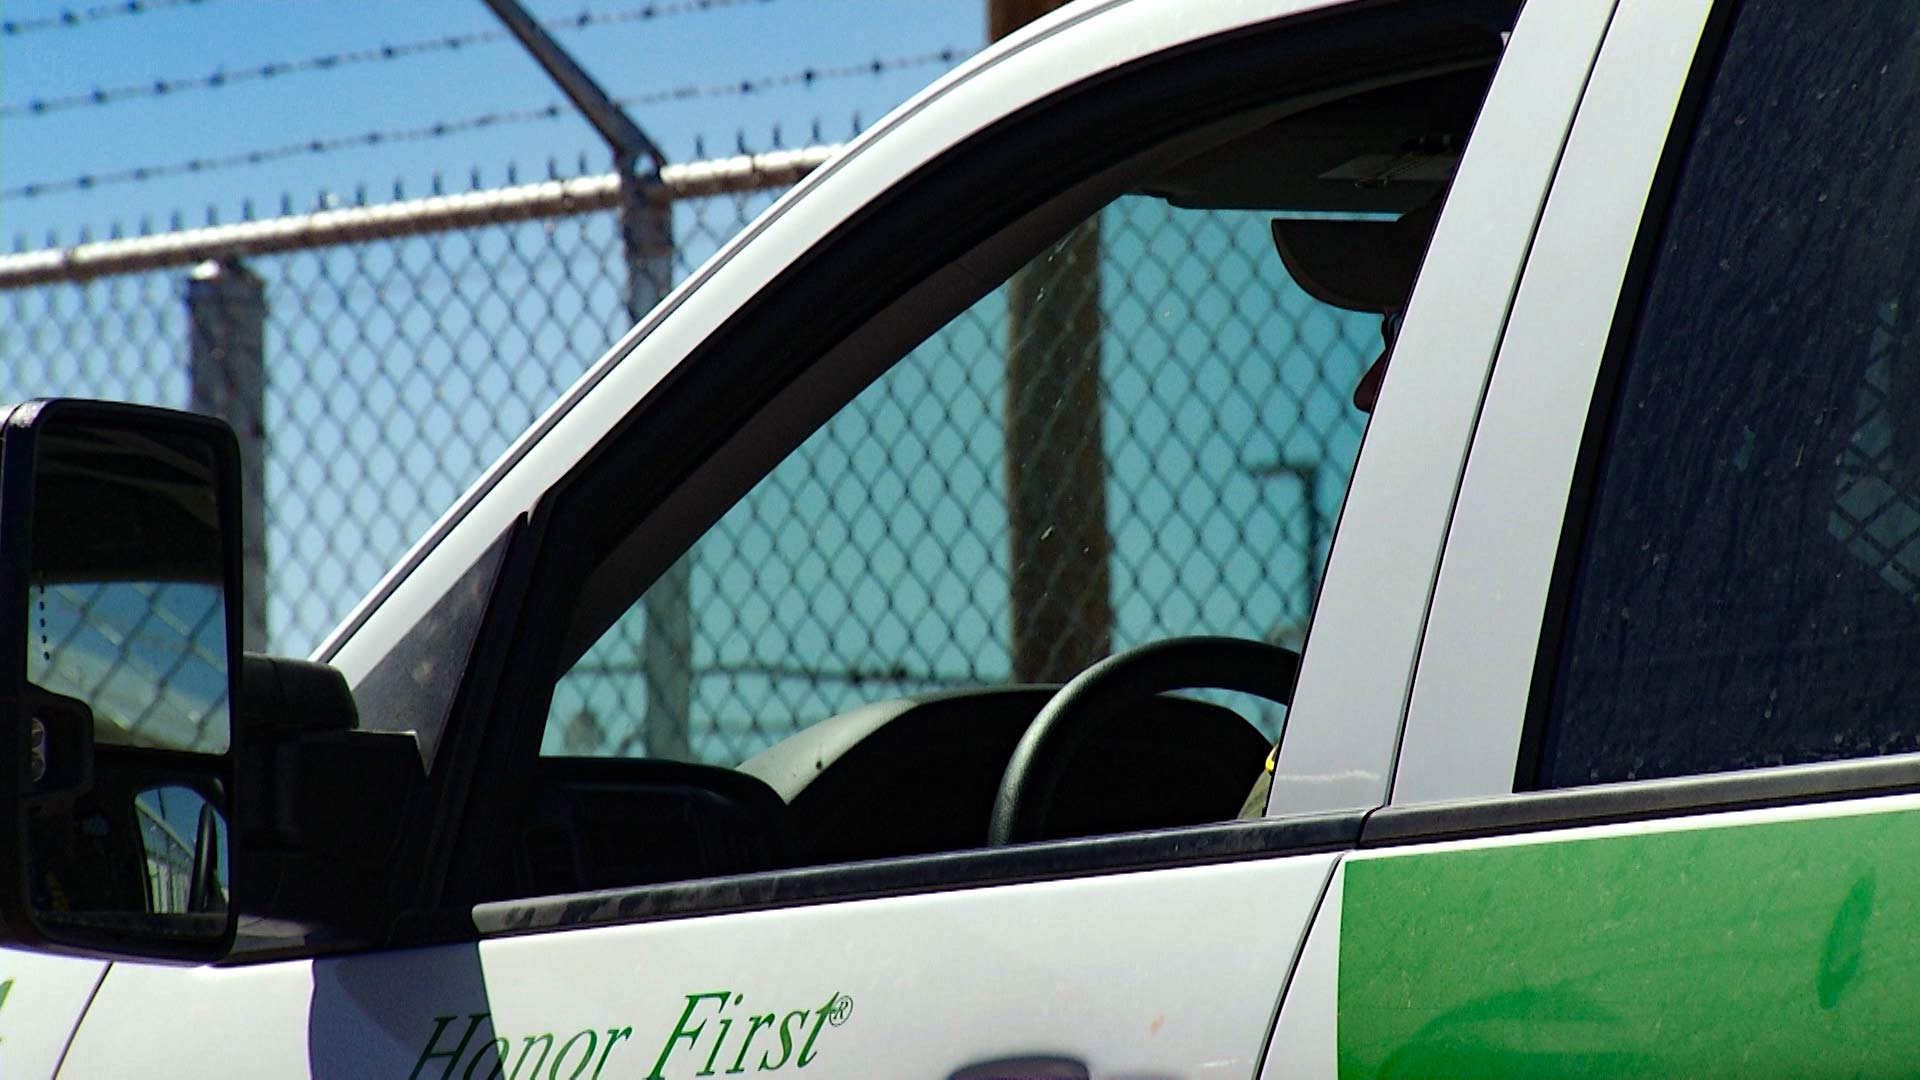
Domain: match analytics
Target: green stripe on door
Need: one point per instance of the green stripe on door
(1767, 949)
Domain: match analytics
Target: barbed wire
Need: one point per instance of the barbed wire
(443, 129)
(805, 77)
(218, 80)
(71, 17)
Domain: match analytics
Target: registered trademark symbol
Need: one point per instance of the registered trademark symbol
(839, 1009)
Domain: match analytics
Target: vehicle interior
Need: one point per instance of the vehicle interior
(1349, 182)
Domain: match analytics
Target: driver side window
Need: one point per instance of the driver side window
(1144, 434)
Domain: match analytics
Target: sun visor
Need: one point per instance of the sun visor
(1358, 265)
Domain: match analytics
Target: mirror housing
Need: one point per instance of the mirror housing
(162, 796)
(321, 805)
(119, 660)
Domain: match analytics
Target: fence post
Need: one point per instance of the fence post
(1056, 463)
(666, 660)
(1062, 617)
(646, 232)
(226, 349)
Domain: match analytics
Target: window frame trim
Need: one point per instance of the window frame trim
(1498, 596)
(520, 639)
(1528, 814)
(974, 868)
(1361, 655)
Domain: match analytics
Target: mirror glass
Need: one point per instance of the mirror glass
(127, 608)
(183, 836)
(149, 657)
(128, 654)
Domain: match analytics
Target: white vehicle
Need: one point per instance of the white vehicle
(1597, 761)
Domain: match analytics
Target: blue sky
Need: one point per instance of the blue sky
(704, 44)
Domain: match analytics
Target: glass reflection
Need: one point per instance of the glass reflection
(129, 652)
(149, 657)
(183, 837)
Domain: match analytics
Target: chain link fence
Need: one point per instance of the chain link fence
(403, 346)
(1144, 434)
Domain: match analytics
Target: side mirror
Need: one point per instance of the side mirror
(119, 651)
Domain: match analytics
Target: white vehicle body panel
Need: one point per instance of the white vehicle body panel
(1347, 708)
(1476, 662)
(1303, 1039)
(1171, 973)
(41, 1002)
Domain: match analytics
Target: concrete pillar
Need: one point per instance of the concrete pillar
(1062, 617)
(1056, 464)
(226, 349)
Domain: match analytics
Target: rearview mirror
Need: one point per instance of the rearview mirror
(119, 649)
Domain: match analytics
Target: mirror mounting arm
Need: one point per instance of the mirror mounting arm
(320, 809)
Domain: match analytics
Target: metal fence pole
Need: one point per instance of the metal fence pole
(226, 347)
(646, 229)
(666, 648)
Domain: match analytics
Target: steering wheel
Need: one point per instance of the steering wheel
(1074, 712)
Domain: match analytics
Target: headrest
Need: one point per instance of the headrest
(1358, 265)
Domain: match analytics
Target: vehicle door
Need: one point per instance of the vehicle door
(1654, 800)
(832, 652)
(716, 781)
(41, 1000)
